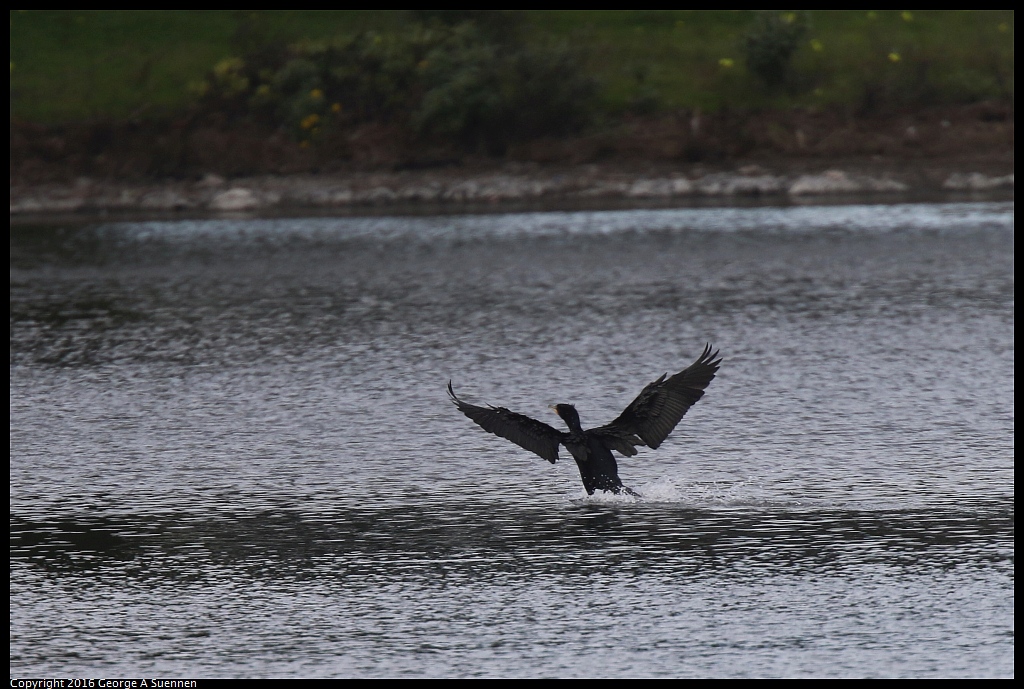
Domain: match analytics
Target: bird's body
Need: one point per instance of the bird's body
(647, 421)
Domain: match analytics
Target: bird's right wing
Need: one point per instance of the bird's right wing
(529, 434)
(660, 406)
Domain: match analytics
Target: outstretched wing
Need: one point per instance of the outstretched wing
(529, 434)
(659, 407)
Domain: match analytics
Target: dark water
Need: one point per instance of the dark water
(232, 453)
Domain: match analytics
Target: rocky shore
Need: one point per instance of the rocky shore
(197, 167)
(452, 190)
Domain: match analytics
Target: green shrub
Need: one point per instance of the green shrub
(478, 86)
(769, 44)
(488, 95)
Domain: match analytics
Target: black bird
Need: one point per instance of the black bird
(646, 421)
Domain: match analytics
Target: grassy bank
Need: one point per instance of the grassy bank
(184, 94)
(75, 65)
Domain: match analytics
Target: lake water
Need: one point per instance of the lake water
(232, 453)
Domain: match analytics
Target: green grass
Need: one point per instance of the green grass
(679, 54)
(73, 65)
(69, 65)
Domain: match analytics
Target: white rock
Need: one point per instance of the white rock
(463, 191)
(46, 205)
(830, 182)
(649, 188)
(883, 185)
(728, 184)
(975, 181)
(237, 199)
(211, 181)
(838, 182)
(681, 186)
(429, 192)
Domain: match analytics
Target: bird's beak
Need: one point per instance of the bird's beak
(554, 409)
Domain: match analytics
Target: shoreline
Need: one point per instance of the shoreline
(516, 187)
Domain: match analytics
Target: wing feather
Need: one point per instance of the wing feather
(529, 434)
(660, 406)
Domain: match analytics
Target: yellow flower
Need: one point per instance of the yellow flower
(894, 57)
(1004, 27)
(316, 94)
(336, 108)
(726, 62)
(228, 66)
(872, 15)
(789, 17)
(816, 45)
(263, 90)
(907, 16)
(309, 121)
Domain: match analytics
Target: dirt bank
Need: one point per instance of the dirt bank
(197, 166)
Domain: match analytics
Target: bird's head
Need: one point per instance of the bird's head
(568, 413)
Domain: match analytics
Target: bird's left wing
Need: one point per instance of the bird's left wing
(529, 434)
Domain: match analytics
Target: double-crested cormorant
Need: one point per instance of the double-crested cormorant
(646, 421)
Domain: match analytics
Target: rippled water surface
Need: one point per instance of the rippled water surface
(232, 453)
